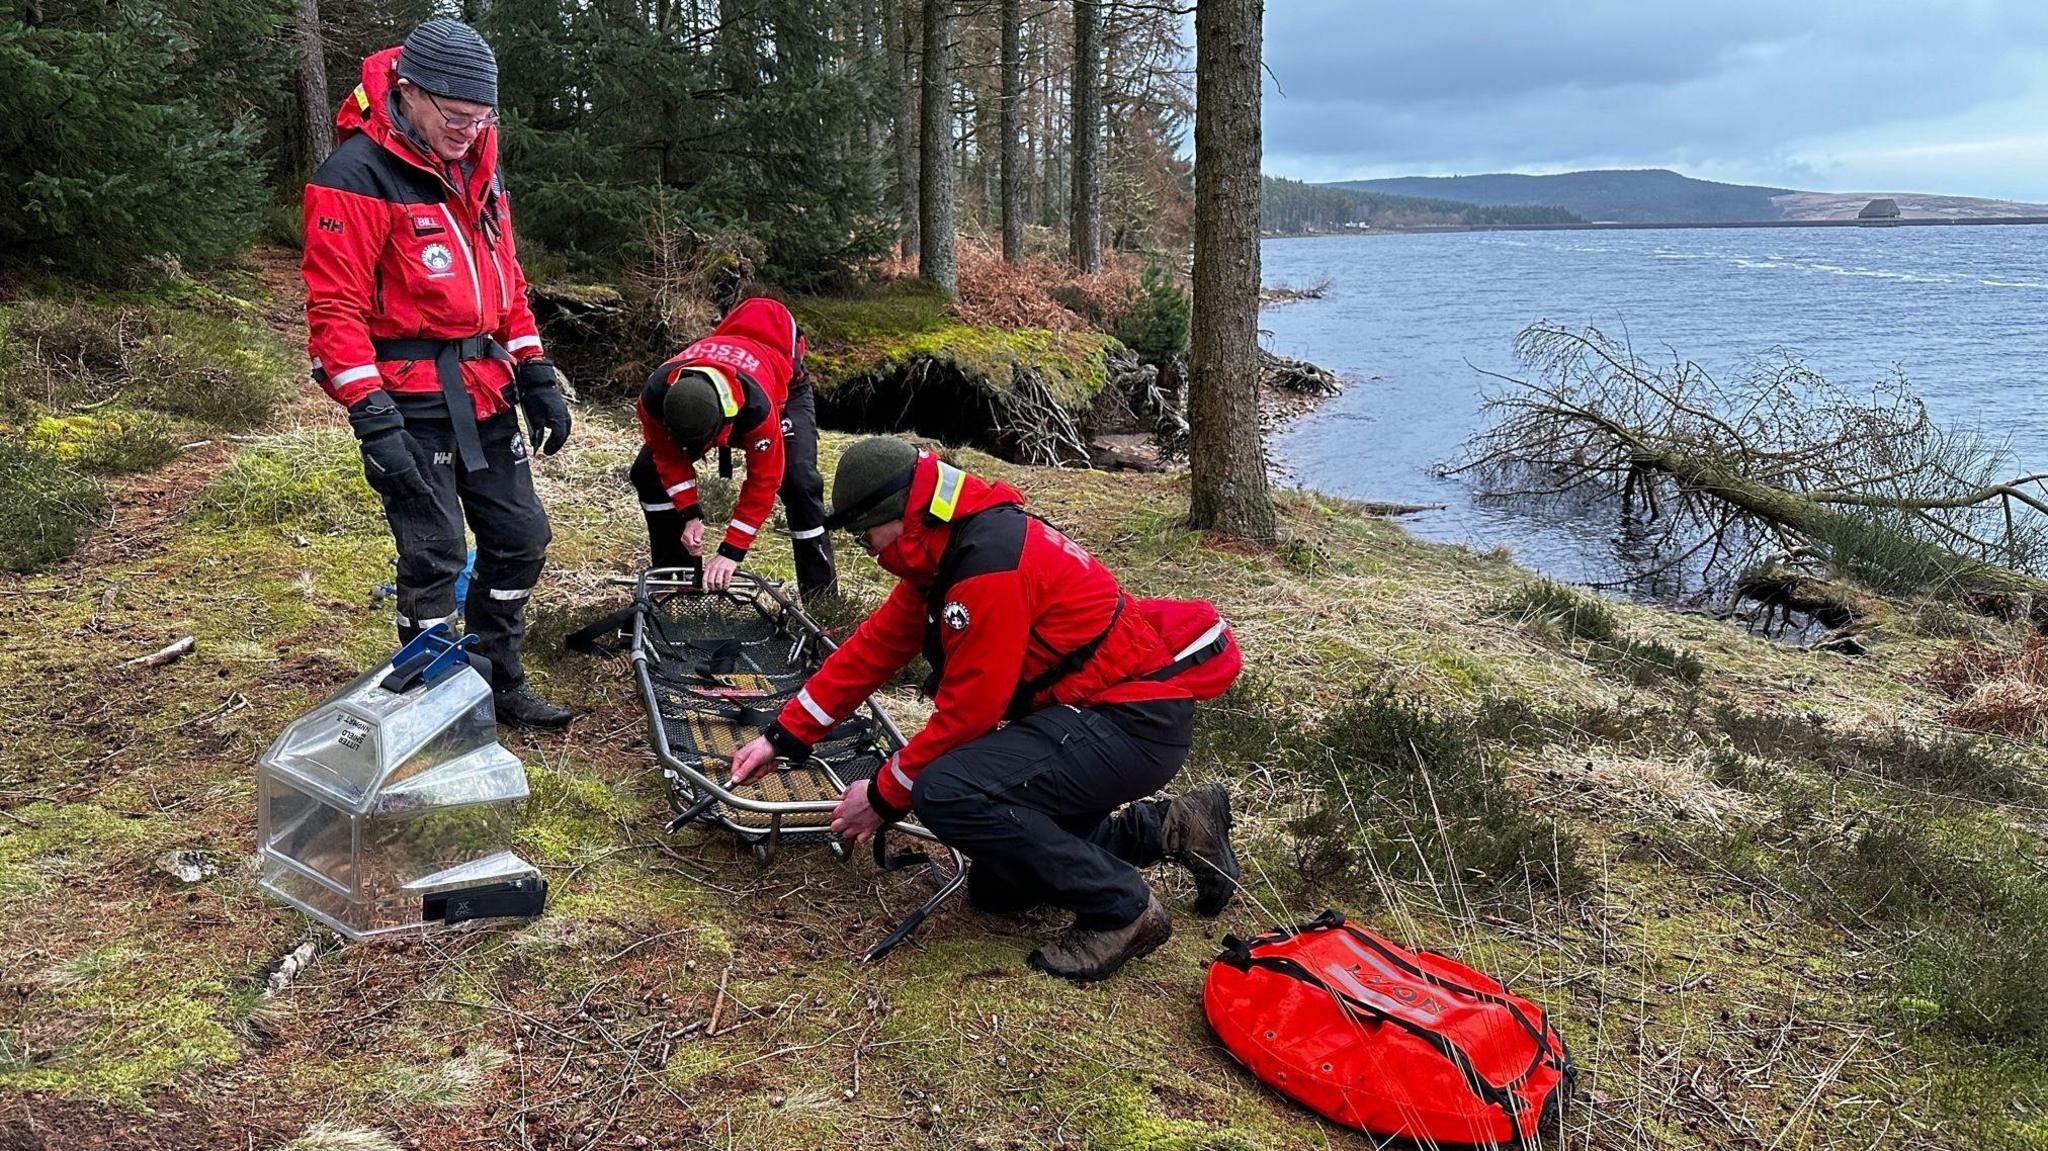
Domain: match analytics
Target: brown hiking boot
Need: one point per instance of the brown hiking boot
(1197, 834)
(1083, 954)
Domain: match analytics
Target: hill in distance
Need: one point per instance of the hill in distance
(1661, 196)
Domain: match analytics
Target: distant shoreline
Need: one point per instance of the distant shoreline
(1616, 226)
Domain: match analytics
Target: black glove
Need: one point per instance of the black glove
(390, 457)
(546, 410)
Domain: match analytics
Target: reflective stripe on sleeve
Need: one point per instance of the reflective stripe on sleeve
(811, 705)
(807, 534)
(344, 379)
(666, 507)
(737, 526)
(896, 773)
(523, 343)
(510, 593)
(680, 488)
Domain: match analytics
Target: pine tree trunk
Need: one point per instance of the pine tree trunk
(316, 115)
(871, 53)
(1013, 122)
(1086, 229)
(1226, 451)
(903, 72)
(936, 260)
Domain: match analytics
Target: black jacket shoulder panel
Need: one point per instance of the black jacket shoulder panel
(365, 167)
(986, 542)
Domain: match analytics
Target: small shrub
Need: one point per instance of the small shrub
(45, 506)
(1409, 793)
(216, 371)
(1971, 914)
(311, 479)
(1155, 324)
(1645, 661)
(1574, 614)
(1244, 728)
(1944, 764)
(182, 363)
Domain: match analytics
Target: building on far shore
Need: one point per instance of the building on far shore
(1880, 209)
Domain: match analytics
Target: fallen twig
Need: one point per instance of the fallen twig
(171, 654)
(718, 1004)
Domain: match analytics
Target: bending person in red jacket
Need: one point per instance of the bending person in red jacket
(742, 387)
(1049, 715)
(419, 326)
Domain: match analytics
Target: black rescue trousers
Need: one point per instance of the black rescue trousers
(511, 540)
(802, 495)
(1035, 806)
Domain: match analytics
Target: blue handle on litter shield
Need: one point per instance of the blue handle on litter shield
(432, 654)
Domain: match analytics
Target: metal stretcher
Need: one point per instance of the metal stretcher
(714, 669)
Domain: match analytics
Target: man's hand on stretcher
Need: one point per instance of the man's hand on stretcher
(854, 818)
(717, 573)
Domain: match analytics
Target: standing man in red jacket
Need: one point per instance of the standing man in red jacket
(1056, 707)
(742, 387)
(420, 327)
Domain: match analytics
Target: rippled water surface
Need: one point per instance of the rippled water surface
(1961, 311)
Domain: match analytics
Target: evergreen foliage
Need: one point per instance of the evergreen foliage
(126, 133)
(1156, 323)
(620, 115)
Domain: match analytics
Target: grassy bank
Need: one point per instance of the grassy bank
(1772, 897)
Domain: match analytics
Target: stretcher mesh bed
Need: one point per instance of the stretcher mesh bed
(714, 669)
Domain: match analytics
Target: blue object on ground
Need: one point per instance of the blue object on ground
(384, 591)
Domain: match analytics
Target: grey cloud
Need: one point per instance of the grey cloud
(1470, 86)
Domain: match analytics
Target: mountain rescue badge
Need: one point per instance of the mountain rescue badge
(955, 615)
(437, 258)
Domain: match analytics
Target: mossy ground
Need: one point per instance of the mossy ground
(1706, 998)
(881, 334)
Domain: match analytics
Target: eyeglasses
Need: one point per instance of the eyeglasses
(462, 123)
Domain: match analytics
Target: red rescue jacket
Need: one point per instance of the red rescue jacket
(756, 352)
(998, 601)
(396, 249)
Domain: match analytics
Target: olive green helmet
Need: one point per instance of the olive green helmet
(872, 484)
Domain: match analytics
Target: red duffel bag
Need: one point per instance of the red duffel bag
(1391, 1041)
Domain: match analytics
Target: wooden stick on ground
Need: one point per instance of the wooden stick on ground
(171, 654)
(718, 1004)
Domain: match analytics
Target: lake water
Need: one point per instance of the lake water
(1961, 311)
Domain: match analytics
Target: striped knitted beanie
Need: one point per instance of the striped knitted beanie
(447, 58)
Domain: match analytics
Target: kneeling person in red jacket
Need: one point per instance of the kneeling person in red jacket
(1049, 715)
(743, 386)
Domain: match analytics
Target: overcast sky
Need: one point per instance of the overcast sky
(1945, 96)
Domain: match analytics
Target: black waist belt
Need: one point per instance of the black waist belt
(448, 356)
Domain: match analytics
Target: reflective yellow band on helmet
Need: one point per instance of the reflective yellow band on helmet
(362, 99)
(946, 492)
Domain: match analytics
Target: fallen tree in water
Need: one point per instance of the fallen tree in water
(1718, 472)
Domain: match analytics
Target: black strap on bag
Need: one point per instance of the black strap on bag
(448, 357)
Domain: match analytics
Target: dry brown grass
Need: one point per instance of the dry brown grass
(1998, 690)
(1034, 294)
